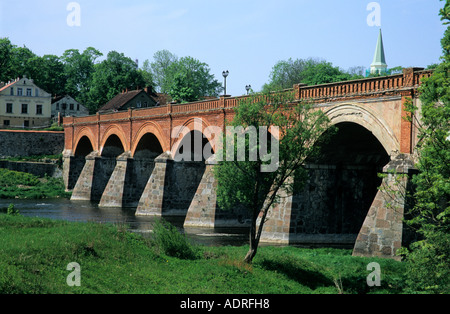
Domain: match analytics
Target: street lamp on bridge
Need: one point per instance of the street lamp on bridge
(225, 74)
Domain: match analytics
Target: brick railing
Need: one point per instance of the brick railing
(410, 78)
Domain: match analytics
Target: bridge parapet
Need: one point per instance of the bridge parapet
(410, 78)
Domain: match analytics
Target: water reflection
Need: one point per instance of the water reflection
(62, 209)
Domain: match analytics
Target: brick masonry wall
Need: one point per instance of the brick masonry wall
(30, 143)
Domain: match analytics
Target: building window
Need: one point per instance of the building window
(71, 106)
(39, 109)
(9, 108)
(24, 109)
(29, 91)
(78, 107)
(12, 91)
(26, 123)
(6, 122)
(37, 92)
(57, 106)
(19, 92)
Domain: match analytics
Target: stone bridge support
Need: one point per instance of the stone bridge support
(202, 210)
(152, 199)
(382, 232)
(113, 195)
(84, 186)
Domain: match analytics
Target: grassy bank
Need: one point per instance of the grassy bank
(22, 185)
(34, 254)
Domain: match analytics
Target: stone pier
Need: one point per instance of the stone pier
(151, 201)
(83, 188)
(382, 230)
(113, 196)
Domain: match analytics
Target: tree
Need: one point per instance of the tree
(256, 184)
(161, 65)
(48, 73)
(191, 80)
(286, 73)
(310, 71)
(79, 69)
(13, 60)
(5, 59)
(428, 258)
(324, 72)
(111, 76)
(147, 74)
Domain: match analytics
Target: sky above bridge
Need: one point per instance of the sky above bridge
(245, 37)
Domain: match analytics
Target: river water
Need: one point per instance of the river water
(63, 209)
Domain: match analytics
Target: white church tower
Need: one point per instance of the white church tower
(379, 60)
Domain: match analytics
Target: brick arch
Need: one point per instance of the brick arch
(114, 130)
(192, 124)
(154, 129)
(85, 131)
(368, 119)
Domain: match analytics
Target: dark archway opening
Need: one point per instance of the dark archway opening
(84, 147)
(104, 166)
(342, 183)
(113, 147)
(78, 161)
(184, 174)
(140, 168)
(149, 147)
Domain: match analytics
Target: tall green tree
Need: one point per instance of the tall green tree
(47, 72)
(79, 69)
(254, 182)
(110, 77)
(429, 258)
(286, 73)
(14, 61)
(147, 75)
(161, 68)
(5, 59)
(192, 80)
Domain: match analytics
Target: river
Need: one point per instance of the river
(63, 209)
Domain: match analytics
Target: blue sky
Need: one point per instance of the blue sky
(246, 37)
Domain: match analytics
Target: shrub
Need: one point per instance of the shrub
(168, 240)
(12, 210)
(428, 264)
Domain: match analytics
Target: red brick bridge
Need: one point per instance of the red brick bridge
(127, 159)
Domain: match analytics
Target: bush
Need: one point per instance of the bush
(12, 210)
(428, 264)
(168, 240)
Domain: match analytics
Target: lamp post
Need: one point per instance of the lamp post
(248, 87)
(225, 74)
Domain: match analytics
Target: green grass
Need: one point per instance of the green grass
(14, 184)
(35, 252)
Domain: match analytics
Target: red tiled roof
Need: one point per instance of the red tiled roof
(120, 100)
(8, 85)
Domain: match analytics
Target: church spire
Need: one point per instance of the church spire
(379, 60)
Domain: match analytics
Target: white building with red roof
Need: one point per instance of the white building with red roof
(23, 104)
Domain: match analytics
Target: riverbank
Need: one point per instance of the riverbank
(22, 185)
(35, 253)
